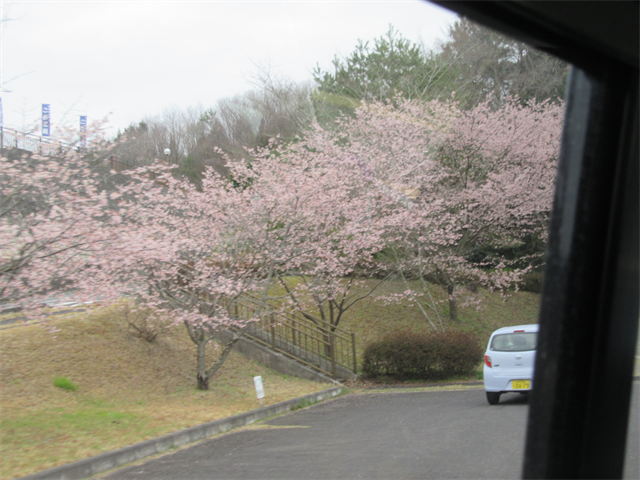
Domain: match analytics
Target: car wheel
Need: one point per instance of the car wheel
(493, 397)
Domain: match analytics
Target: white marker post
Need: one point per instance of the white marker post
(259, 388)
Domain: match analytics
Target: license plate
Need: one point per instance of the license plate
(521, 384)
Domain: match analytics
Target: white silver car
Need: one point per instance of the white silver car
(509, 361)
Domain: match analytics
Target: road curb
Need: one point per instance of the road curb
(106, 461)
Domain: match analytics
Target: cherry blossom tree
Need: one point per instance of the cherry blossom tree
(185, 251)
(155, 239)
(197, 252)
(53, 218)
(472, 179)
(497, 176)
(321, 222)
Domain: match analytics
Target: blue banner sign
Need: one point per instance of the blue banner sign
(46, 120)
(83, 130)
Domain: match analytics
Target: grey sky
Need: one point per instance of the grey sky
(135, 58)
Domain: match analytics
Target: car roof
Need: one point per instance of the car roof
(526, 328)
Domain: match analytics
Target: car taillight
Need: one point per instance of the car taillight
(487, 361)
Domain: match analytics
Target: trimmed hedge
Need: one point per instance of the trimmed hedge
(532, 282)
(420, 356)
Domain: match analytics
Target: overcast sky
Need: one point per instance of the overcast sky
(131, 59)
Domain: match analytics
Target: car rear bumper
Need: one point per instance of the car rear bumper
(494, 383)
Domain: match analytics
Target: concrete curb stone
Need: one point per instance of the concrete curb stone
(108, 460)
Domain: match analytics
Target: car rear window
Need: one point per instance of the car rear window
(514, 342)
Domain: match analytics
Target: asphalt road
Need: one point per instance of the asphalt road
(399, 435)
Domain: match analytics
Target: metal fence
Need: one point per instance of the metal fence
(10, 138)
(320, 346)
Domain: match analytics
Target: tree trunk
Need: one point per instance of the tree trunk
(203, 381)
(326, 339)
(453, 304)
(223, 356)
(201, 376)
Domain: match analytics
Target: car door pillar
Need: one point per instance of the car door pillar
(589, 308)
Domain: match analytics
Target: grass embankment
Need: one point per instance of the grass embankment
(128, 390)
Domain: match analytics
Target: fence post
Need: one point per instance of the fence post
(273, 332)
(353, 348)
(332, 351)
